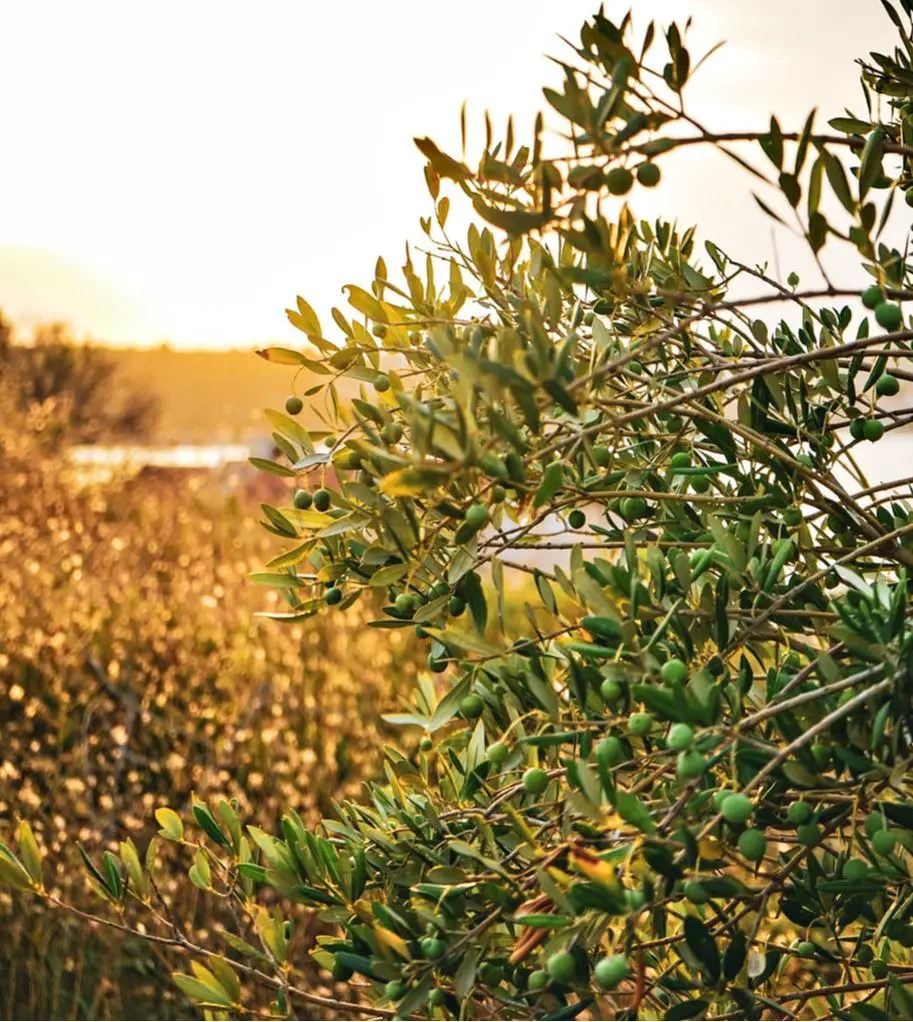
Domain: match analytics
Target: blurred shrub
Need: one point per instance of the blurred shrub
(71, 392)
(133, 673)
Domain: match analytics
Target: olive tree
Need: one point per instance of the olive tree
(658, 766)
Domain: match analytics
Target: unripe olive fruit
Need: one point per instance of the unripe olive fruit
(392, 433)
(619, 180)
(562, 967)
(884, 841)
(865, 955)
(491, 973)
(632, 508)
(381, 382)
(476, 515)
(395, 990)
(611, 691)
(610, 751)
(303, 500)
(432, 947)
(873, 429)
(609, 972)
(696, 893)
(332, 596)
(498, 753)
(855, 870)
(322, 499)
(601, 455)
(680, 737)
(538, 980)
(535, 781)
(472, 706)
(752, 844)
(808, 833)
(639, 724)
(404, 603)
(635, 900)
(872, 297)
(426, 744)
(456, 605)
(576, 519)
(887, 385)
(874, 822)
(736, 809)
(799, 813)
(293, 405)
(648, 175)
(689, 764)
(805, 948)
(879, 969)
(674, 672)
(888, 316)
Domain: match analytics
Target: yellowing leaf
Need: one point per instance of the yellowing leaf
(305, 318)
(390, 941)
(307, 519)
(592, 867)
(170, 822)
(513, 221)
(388, 575)
(444, 165)
(200, 991)
(28, 849)
(413, 481)
(282, 356)
(366, 303)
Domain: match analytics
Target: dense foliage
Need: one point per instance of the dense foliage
(677, 785)
(134, 674)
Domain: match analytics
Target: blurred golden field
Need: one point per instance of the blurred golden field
(134, 673)
(207, 396)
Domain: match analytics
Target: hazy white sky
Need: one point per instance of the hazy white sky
(181, 170)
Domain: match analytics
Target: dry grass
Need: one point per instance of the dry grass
(132, 674)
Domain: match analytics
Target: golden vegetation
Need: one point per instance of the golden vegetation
(134, 673)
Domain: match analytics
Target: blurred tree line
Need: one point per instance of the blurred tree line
(71, 391)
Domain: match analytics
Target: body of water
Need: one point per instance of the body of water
(178, 456)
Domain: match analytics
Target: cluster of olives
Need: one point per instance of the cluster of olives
(320, 499)
(888, 315)
(561, 969)
(618, 180)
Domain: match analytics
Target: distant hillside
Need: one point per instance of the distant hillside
(214, 397)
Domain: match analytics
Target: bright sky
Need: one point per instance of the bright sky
(180, 171)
